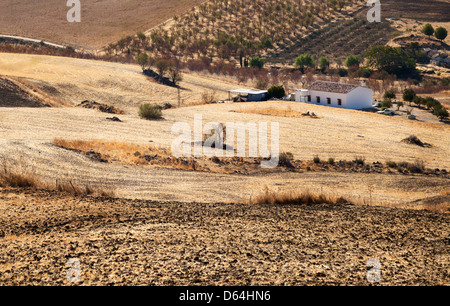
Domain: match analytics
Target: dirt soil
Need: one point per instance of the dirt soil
(135, 242)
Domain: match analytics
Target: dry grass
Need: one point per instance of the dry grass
(18, 175)
(275, 111)
(129, 153)
(297, 198)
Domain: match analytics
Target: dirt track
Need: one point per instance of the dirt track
(131, 242)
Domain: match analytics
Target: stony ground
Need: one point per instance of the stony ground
(135, 242)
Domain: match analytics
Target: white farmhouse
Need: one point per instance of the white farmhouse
(337, 95)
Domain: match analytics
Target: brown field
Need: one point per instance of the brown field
(432, 10)
(102, 22)
(172, 226)
(133, 242)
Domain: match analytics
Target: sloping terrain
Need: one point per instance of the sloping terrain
(102, 22)
(120, 85)
(131, 242)
(12, 96)
(430, 10)
(339, 134)
(336, 39)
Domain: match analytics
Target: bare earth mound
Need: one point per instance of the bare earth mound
(133, 242)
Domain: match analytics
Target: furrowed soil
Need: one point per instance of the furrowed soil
(135, 242)
(102, 22)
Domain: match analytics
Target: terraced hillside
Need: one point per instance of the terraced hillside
(236, 29)
(336, 40)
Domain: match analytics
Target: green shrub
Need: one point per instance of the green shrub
(342, 72)
(316, 159)
(385, 104)
(331, 161)
(276, 92)
(256, 62)
(150, 111)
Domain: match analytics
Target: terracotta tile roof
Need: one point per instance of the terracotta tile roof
(332, 87)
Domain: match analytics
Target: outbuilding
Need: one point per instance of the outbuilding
(248, 95)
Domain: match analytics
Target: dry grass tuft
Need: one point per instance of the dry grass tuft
(296, 198)
(19, 176)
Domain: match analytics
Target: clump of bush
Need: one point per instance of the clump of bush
(359, 160)
(316, 159)
(416, 167)
(277, 92)
(391, 164)
(286, 159)
(414, 140)
(150, 111)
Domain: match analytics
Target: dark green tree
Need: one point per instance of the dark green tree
(276, 92)
(428, 29)
(409, 95)
(352, 61)
(389, 95)
(257, 62)
(390, 59)
(304, 60)
(441, 33)
(324, 63)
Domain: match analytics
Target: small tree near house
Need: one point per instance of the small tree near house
(389, 95)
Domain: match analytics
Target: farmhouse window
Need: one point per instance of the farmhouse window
(329, 100)
(309, 98)
(318, 99)
(339, 102)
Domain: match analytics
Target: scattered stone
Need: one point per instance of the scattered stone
(99, 106)
(115, 119)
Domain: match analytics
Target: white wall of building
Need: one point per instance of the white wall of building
(359, 98)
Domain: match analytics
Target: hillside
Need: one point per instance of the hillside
(278, 31)
(125, 87)
(224, 29)
(102, 22)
